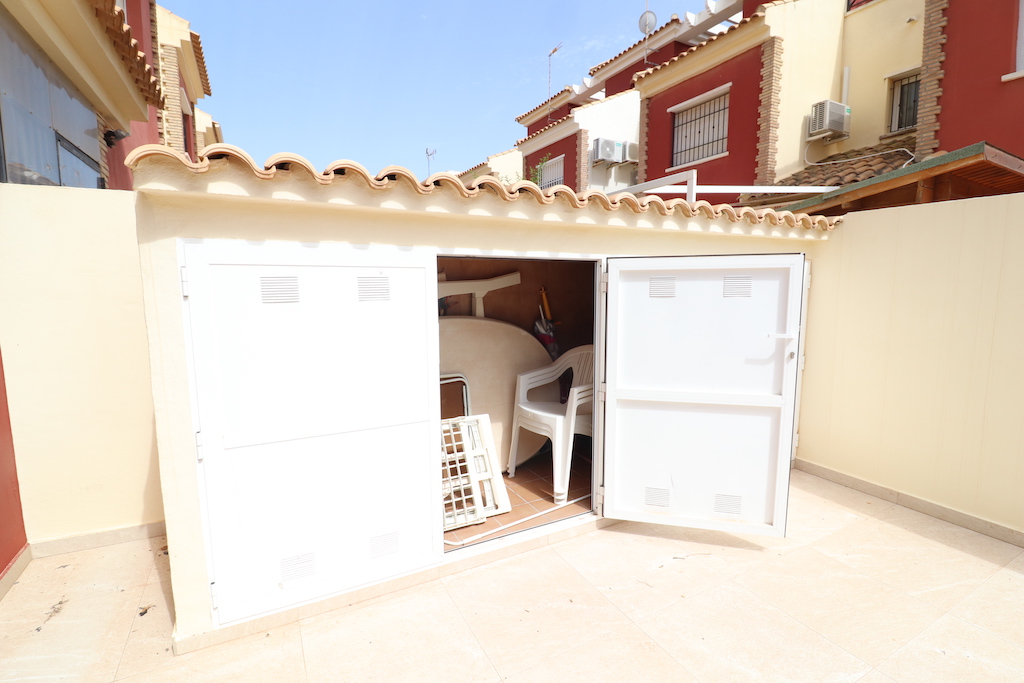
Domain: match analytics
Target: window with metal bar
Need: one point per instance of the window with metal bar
(700, 131)
(903, 99)
(552, 173)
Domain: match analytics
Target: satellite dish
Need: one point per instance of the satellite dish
(648, 22)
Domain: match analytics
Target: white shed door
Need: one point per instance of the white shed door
(315, 400)
(702, 354)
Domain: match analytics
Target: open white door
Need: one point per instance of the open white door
(702, 364)
(315, 402)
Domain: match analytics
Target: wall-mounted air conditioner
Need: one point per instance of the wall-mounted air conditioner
(633, 151)
(612, 151)
(829, 118)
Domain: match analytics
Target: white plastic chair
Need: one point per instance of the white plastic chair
(560, 422)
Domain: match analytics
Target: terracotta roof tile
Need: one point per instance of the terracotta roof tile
(558, 94)
(849, 167)
(478, 187)
(547, 127)
(670, 22)
(743, 22)
(197, 48)
(111, 18)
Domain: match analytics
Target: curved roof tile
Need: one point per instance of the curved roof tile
(111, 18)
(478, 186)
(743, 22)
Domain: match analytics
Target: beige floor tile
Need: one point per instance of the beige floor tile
(69, 616)
(529, 608)
(802, 484)
(875, 676)
(931, 561)
(271, 657)
(638, 571)
(862, 615)
(952, 651)
(727, 633)
(624, 655)
(418, 636)
(998, 604)
(728, 554)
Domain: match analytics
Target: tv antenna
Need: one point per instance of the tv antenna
(430, 154)
(550, 55)
(647, 24)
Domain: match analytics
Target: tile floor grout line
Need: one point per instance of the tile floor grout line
(153, 571)
(979, 626)
(302, 649)
(462, 616)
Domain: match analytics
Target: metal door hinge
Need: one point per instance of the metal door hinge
(602, 391)
(213, 594)
(604, 283)
(199, 446)
(598, 496)
(184, 283)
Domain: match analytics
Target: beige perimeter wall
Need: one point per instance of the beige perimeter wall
(76, 360)
(915, 355)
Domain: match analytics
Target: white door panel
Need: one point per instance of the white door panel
(701, 388)
(315, 376)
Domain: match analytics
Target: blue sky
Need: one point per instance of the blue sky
(379, 82)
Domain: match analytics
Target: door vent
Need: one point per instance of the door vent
(280, 290)
(737, 285)
(374, 288)
(662, 286)
(298, 567)
(657, 497)
(728, 505)
(386, 544)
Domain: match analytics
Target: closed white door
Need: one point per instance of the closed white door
(702, 365)
(314, 373)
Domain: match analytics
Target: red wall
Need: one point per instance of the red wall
(566, 146)
(553, 116)
(981, 40)
(12, 525)
(740, 167)
(142, 132)
(624, 79)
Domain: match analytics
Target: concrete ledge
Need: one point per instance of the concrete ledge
(946, 514)
(13, 571)
(454, 562)
(99, 539)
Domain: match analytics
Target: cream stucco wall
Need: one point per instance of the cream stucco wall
(914, 370)
(880, 40)
(76, 361)
(812, 34)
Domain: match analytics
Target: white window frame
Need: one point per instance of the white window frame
(714, 149)
(896, 84)
(552, 172)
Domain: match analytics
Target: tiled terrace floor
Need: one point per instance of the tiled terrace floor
(861, 590)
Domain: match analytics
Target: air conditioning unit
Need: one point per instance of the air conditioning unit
(633, 151)
(612, 151)
(829, 118)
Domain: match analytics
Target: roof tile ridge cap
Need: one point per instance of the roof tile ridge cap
(595, 69)
(276, 160)
(448, 178)
(639, 75)
(568, 193)
(524, 115)
(405, 174)
(224, 149)
(142, 152)
(494, 184)
(653, 202)
(529, 187)
(345, 165)
(598, 197)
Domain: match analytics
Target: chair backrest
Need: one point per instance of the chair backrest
(581, 360)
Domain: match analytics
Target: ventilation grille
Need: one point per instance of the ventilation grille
(662, 286)
(657, 497)
(728, 505)
(737, 285)
(374, 288)
(298, 567)
(280, 290)
(384, 545)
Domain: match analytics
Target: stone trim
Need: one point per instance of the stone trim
(768, 111)
(582, 160)
(932, 56)
(641, 168)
